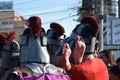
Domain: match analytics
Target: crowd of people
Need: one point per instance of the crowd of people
(41, 55)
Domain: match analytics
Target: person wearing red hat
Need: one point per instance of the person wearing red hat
(85, 65)
(34, 57)
(55, 36)
(30, 38)
(9, 51)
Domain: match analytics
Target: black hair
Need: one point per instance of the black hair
(118, 59)
(115, 70)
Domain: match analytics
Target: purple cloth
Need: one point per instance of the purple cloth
(46, 76)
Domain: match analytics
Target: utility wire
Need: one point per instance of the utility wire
(60, 19)
(45, 7)
(24, 2)
(51, 20)
(44, 13)
(42, 3)
(48, 21)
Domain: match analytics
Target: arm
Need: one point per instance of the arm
(79, 50)
(66, 51)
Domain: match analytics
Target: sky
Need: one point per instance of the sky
(60, 11)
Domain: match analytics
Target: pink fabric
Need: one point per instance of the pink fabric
(46, 76)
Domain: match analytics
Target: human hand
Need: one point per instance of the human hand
(79, 49)
(66, 51)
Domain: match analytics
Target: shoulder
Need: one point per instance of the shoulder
(27, 31)
(12, 74)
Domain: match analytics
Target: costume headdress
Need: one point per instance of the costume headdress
(55, 35)
(32, 49)
(35, 24)
(9, 49)
(88, 29)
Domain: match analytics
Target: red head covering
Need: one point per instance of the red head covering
(10, 37)
(35, 24)
(92, 22)
(57, 27)
(7, 38)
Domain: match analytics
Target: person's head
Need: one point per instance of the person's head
(9, 49)
(88, 30)
(108, 57)
(55, 35)
(115, 72)
(35, 23)
(118, 61)
(97, 46)
(33, 43)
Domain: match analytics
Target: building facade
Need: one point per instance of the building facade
(10, 20)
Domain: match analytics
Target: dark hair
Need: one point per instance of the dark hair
(115, 70)
(109, 55)
(118, 59)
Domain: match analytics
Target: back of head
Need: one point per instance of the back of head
(92, 23)
(118, 61)
(9, 50)
(115, 70)
(33, 43)
(56, 31)
(108, 57)
(55, 35)
(88, 29)
(35, 24)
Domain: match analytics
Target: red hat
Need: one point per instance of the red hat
(10, 37)
(57, 27)
(7, 38)
(35, 24)
(92, 22)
